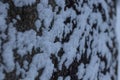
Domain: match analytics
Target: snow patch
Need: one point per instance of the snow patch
(21, 3)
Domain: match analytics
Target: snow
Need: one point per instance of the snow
(81, 71)
(46, 17)
(25, 42)
(92, 69)
(60, 78)
(74, 38)
(3, 15)
(2, 75)
(48, 71)
(18, 17)
(118, 34)
(21, 3)
(60, 3)
(68, 78)
(105, 77)
(38, 24)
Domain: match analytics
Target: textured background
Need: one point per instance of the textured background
(58, 40)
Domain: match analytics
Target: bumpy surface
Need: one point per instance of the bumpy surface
(57, 40)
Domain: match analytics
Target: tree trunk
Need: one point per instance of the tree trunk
(58, 40)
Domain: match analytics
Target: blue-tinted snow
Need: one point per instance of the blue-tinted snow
(118, 34)
(68, 78)
(3, 15)
(60, 78)
(81, 71)
(20, 3)
(25, 41)
(38, 24)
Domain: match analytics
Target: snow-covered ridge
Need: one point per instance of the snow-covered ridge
(77, 42)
